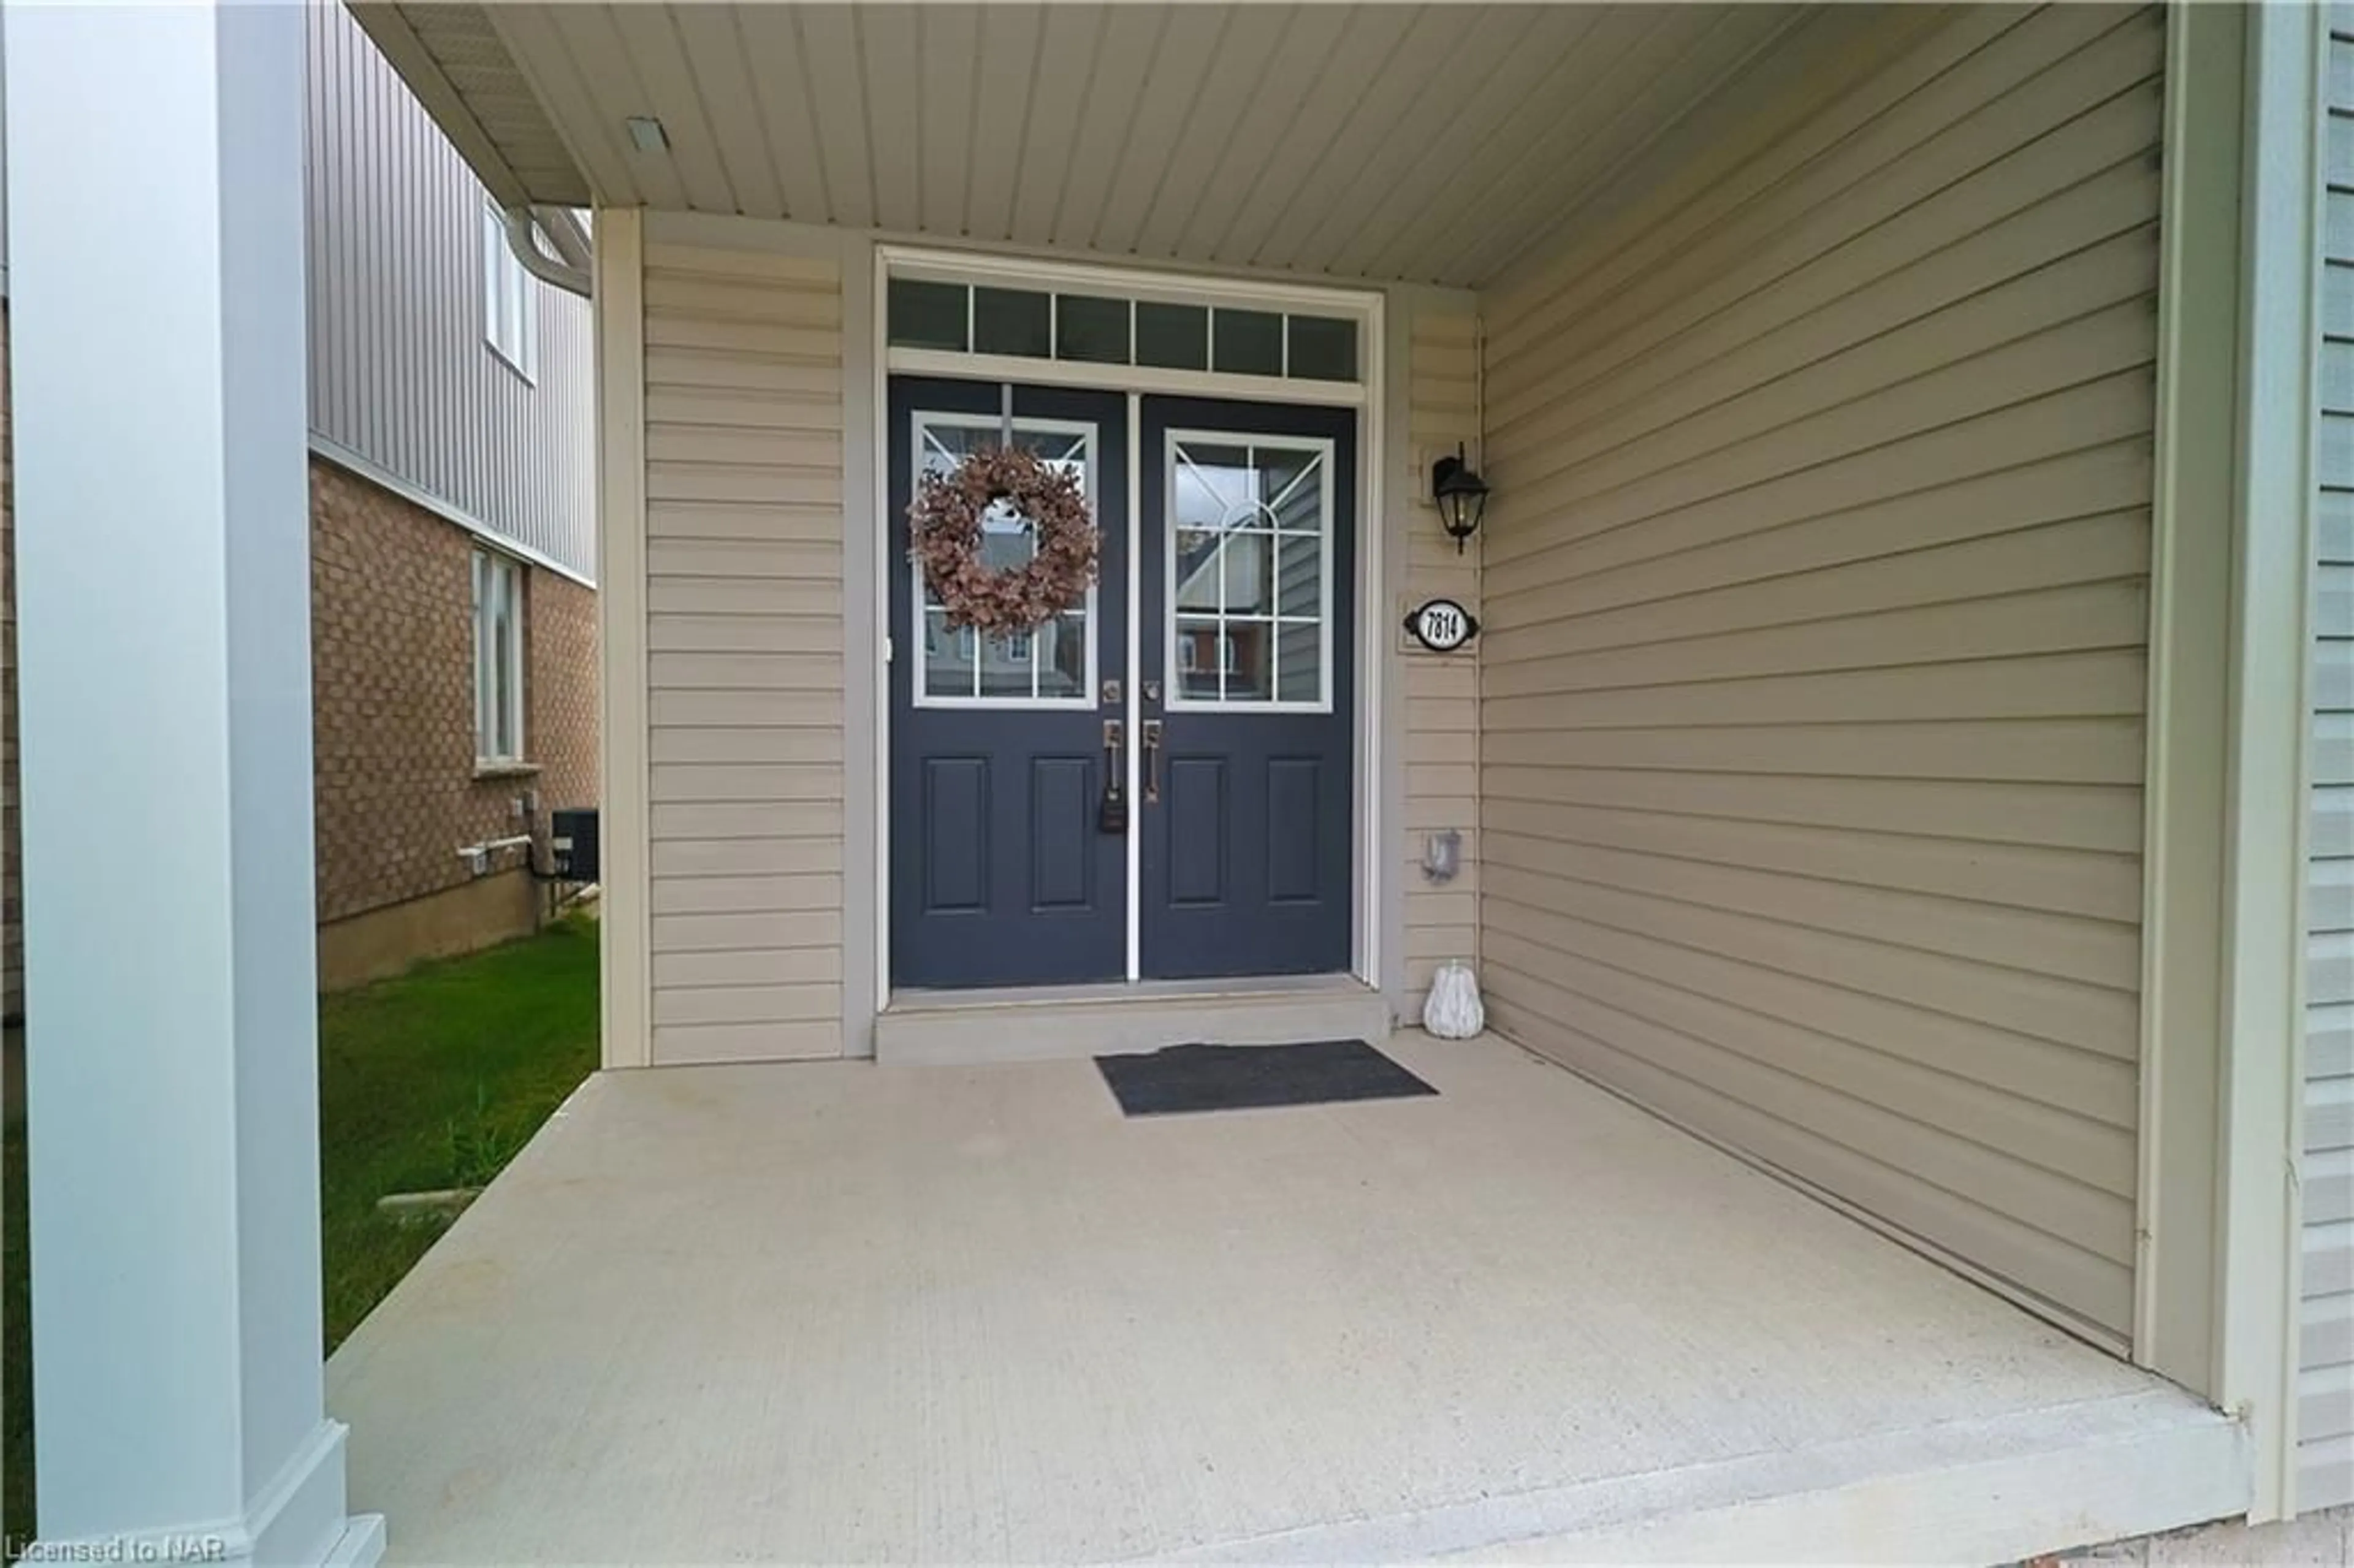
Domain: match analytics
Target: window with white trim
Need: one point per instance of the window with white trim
(509, 305)
(498, 659)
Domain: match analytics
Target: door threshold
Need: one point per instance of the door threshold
(1048, 1022)
(926, 1000)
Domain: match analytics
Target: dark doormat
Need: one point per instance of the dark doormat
(1182, 1078)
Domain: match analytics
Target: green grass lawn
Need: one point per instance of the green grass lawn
(432, 1080)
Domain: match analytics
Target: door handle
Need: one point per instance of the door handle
(1111, 816)
(1151, 762)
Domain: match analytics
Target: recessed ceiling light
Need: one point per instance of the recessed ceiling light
(646, 133)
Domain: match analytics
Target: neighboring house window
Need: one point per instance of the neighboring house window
(510, 308)
(498, 658)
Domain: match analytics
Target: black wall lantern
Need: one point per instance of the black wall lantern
(1461, 495)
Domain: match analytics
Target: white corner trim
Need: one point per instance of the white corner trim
(866, 698)
(877, 393)
(627, 948)
(342, 456)
(2264, 825)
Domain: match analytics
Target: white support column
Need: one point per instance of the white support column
(625, 946)
(156, 224)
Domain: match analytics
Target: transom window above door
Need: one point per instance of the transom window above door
(1250, 571)
(1052, 666)
(1104, 329)
(1052, 324)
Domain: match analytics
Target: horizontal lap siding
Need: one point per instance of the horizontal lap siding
(1442, 691)
(743, 525)
(2326, 1411)
(1810, 731)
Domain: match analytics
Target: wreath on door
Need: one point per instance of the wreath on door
(948, 532)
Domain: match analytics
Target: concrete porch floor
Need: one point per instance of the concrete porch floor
(845, 1312)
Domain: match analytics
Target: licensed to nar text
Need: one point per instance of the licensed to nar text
(126, 1549)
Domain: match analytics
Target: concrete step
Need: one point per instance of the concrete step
(965, 1028)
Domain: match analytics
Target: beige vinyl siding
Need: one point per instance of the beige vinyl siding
(1442, 690)
(1811, 736)
(2326, 1410)
(744, 635)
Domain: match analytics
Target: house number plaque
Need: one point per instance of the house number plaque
(1442, 625)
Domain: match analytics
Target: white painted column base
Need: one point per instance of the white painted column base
(298, 1518)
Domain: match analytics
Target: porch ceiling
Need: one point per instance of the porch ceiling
(1428, 144)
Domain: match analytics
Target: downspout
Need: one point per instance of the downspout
(568, 269)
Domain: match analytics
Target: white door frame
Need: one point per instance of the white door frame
(1368, 307)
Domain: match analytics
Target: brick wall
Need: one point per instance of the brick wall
(392, 686)
(560, 722)
(393, 704)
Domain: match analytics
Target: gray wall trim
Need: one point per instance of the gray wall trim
(376, 473)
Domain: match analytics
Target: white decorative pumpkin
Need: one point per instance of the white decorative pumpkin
(1453, 1012)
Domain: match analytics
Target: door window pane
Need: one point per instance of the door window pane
(1298, 663)
(1215, 487)
(1247, 575)
(1005, 664)
(1292, 488)
(1006, 541)
(1063, 655)
(1298, 576)
(948, 658)
(1198, 657)
(1013, 320)
(1250, 661)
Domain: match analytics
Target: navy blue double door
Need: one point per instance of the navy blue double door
(1156, 783)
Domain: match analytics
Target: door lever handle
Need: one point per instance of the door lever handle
(1151, 762)
(1111, 816)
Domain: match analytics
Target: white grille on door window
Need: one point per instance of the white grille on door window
(1052, 665)
(1250, 571)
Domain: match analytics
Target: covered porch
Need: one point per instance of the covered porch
(870, 1313)
(1868, 799)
